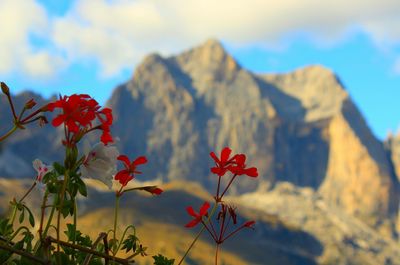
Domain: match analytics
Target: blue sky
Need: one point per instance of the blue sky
(60, 46)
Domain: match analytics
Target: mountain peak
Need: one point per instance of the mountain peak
(213, 45)
(209, 60)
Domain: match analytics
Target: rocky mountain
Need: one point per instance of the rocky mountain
(300, 127)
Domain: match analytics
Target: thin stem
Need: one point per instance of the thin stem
(43, 212)
(64, 187)
(213, 229)
(227, 187)
(2, 138)
(123, 235)
(23, 121)
(233, 232)
(227, 225)
(115, 222)
(27, 193)
(218, 187)
(216, 254)
(24, 253)
(46, 229)
(75, 218)
(198, 234)
(17, 232)
(43, 233)
(221, 228)
(12, 107)
(209, 231)
(89, 257)
(88, 250)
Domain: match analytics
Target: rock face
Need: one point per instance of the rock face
(301, 127)
(346, 239)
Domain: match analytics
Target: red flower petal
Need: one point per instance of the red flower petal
(140, 160)
(240, 159)
(214, 156)
(251, 172)
(191, 211)
(58, 120)
(125, 160)
(106, 137)
(204, 209)
(192, 223)
(225, 153)
(123, 177)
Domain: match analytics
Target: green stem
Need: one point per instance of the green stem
(13, 214)
(2, 138)
(62, 197)
(53, 209)
(43, 211)
(199, 233)
(115, 221)
(123, 236)
(75, 218)
(17, 232)
(75, 224)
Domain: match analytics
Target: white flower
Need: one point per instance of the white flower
(41, 169)
(100, 163)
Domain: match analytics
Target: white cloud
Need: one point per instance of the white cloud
(117, 33)
(21, 20)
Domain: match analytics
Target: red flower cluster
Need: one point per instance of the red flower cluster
(78, 114)
(236, 164)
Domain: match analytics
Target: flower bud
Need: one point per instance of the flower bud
(30, 104)
(5, 89)
(42, 121)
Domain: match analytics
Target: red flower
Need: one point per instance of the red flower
(197, 216)
(240, 167)
(78, 113)
(127, 174)
(222, 165)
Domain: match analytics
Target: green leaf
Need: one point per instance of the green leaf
(72, 188)
(161, 260)
(5, 228)
(31, 218)
(59, 168)
(48, 176)
(82, 187)
(22, 215)
(130, 243)
(68, 208)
